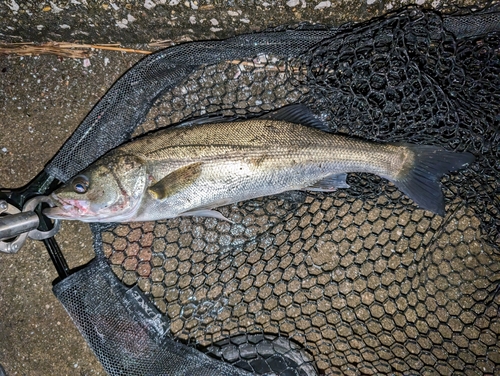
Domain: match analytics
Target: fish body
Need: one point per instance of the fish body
(190, 170)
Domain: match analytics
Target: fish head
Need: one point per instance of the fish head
(110, 190)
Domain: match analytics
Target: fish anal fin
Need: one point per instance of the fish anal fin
(175, 181)
(330, 183)
(206, 213)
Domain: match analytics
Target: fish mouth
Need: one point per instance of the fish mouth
(55, 213)
(67, 209)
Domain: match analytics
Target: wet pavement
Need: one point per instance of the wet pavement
(42, 101)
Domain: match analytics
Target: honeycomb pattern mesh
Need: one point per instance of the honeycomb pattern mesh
(361, 287)
(361, 279)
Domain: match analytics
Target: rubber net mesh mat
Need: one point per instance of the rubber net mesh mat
(361, 278)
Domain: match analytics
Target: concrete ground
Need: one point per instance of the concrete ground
(42, 101)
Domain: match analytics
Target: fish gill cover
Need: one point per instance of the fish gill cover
(361, 278)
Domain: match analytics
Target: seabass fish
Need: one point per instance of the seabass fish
(190, 170)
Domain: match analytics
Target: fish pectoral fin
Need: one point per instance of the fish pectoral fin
(175, 181)
(206, 213)
(330, 183)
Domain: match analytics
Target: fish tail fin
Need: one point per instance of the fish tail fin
(421, 183)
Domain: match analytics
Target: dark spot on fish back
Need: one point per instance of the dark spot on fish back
(257, 161)
(270, 127)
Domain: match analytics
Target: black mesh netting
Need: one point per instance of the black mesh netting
(128, 336)
(360, 279)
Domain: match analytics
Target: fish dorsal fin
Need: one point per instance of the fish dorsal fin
(299, 114)
(208, 119)
(175, 181)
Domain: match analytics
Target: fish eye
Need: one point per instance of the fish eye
(80, 184)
